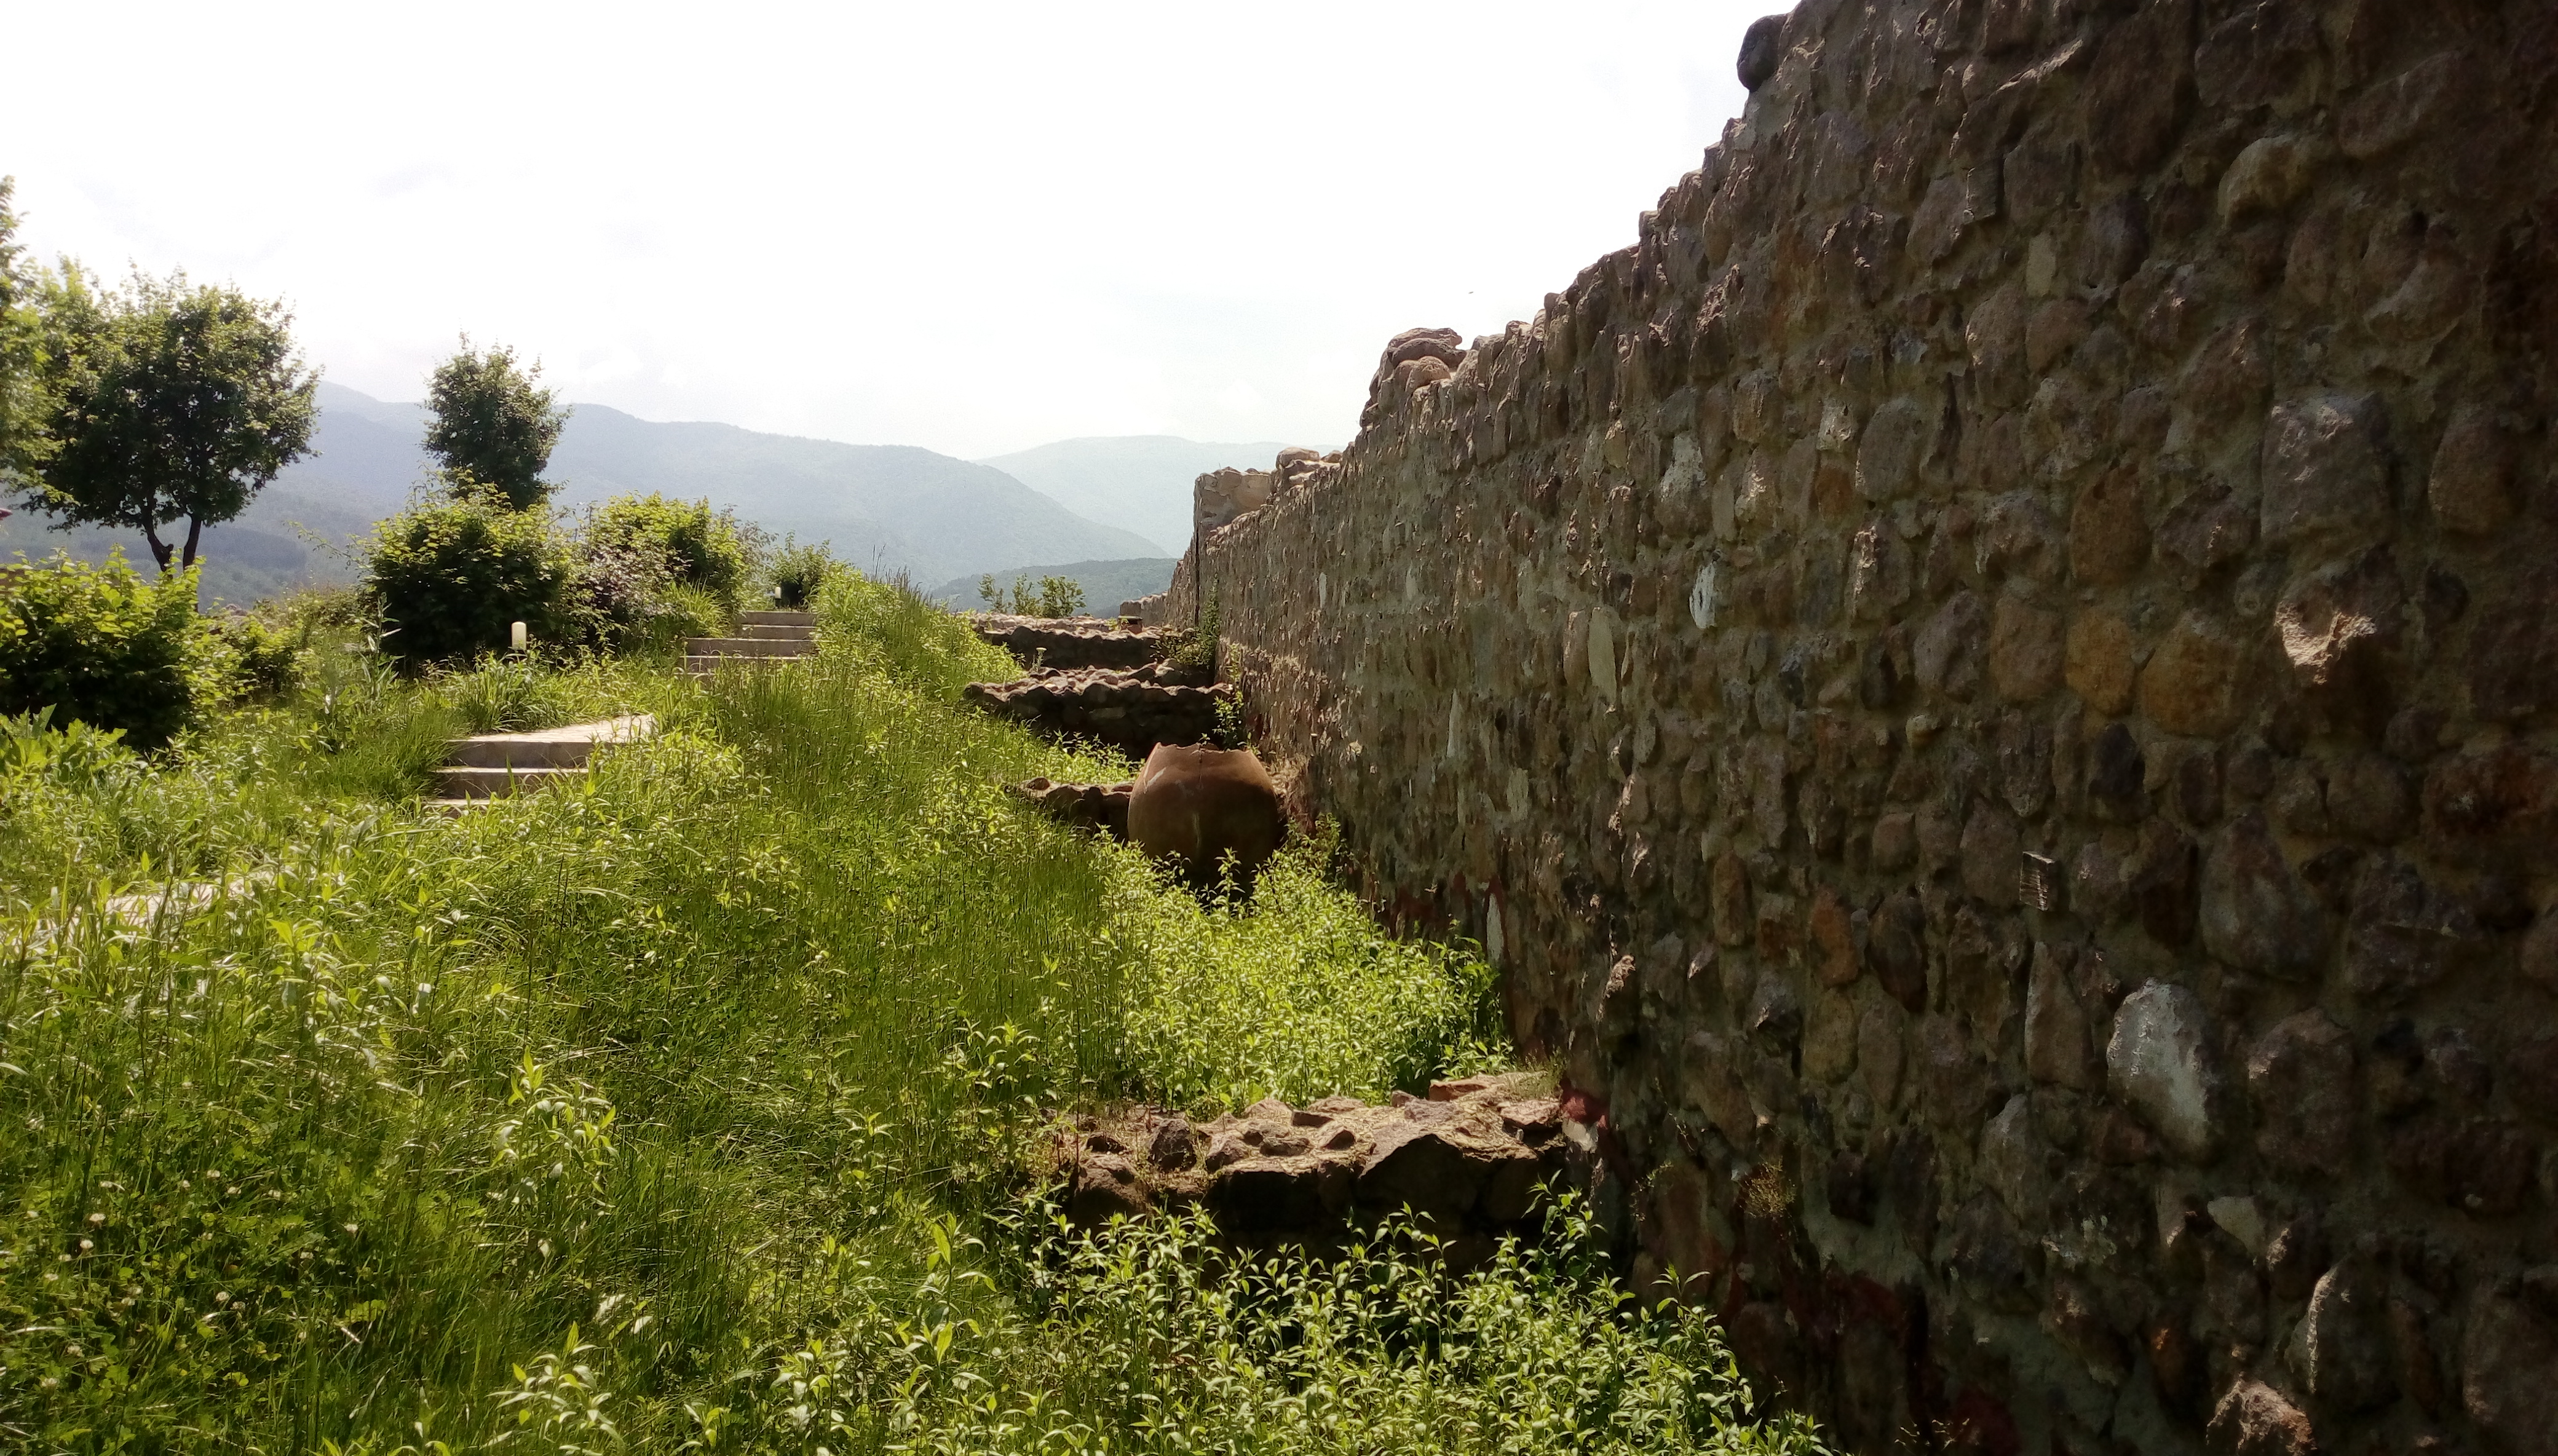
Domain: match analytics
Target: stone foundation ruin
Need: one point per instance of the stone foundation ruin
(1991, 686)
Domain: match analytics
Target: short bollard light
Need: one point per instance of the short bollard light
(517, 636)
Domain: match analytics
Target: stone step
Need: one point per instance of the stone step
(570, 747)
(780, 632)
(777, 619)
(472, 782)
(747, 647)
(703, 665)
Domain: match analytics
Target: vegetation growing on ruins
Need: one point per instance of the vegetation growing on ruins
(693, 1106)
(1055, 596)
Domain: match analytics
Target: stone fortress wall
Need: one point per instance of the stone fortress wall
(1991, 685)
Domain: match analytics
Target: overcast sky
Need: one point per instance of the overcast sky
(970, 226)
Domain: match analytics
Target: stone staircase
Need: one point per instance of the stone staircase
(500, 765)
(765, 637)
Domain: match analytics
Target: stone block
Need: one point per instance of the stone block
(1947, 651)
(1880, 1052)
(2162, 1063)
(1897, 442)
(2513, 649)
(2325, 472)
(2056, 1050)
(1896, 950)
(2403, 935)
(1834, 958)
(2301, 1074)
(2192, 684)
(2109, 532)
(2026, 652)
(2141, 86)
(2256, 914)
(2269, 175)
(2508, 1348)
(1991, 858)
(1829, 1036)
(2392, 113)
(2254, 1420)
(2472, 487)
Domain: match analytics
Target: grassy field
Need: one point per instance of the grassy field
(687, 1109)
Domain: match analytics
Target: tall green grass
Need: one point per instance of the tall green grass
(668, 1110)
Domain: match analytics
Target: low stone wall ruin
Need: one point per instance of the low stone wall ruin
(1468, 1160)
(1991, 685)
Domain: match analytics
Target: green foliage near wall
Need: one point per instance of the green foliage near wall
(102, 646)
(1054, 596)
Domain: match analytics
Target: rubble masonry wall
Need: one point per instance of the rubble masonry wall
(1991, 685)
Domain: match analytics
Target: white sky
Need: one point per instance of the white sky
(970, 226)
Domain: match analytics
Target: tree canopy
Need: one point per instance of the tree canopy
(493, 427)
(166, 401)
(22, 433)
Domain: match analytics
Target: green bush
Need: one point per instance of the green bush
(448, 577)
(256, 661)
(799, 572)
(700, 548)
(102, 646)
(1055, 596)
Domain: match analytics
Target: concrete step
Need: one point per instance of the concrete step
(747, 646)
(549, 748)
(778, 619)
(703, 665)
(766, 632)
(467, 782)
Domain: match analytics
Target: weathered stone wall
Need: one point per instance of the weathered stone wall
(1992, 687)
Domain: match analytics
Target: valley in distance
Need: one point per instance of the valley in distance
(1109, 513)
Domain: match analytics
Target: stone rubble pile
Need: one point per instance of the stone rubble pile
(1102, 807)
(1469, 1159)
(1066, 642)
(1131, 711)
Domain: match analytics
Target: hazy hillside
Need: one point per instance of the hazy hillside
(890, 506)
(1105, 583)
(1138, 483)
(882, 507)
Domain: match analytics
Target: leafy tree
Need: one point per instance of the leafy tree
(166, 402)
(22, 435)
(493, 427)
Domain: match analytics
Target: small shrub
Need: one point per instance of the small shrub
(1194, 648)
(1055, 596)
(30, 747)
(102, 646)
(700, 548)
(799, 572)
(448, 577)
(615, 595)
(255, 662)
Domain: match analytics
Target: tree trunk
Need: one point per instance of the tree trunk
(159, 549)
(195, 533)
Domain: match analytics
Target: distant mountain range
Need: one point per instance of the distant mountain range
(883, 507)
(1105, 583)
(1138, 483)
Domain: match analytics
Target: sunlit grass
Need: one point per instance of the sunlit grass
(665, 1107)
